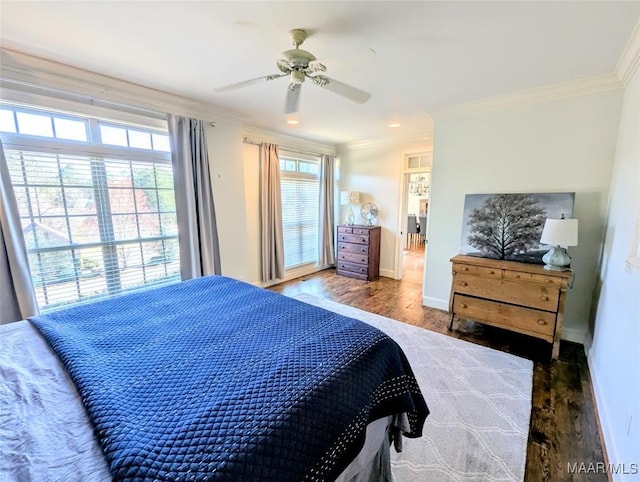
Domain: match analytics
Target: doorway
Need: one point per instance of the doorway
(417, 193)
(414, 240)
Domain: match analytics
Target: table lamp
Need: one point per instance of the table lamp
(559, 233)
(348, 198)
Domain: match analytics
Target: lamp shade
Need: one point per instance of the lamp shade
(349, 197)
(560, 232)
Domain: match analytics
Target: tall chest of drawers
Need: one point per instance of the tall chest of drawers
(520, 297)
(359, 252)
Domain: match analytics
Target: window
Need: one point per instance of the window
(94, 225)
(300, 187)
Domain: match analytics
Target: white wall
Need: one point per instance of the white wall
(614, 356)
(375, 170)
(228, 181)
(563, 145)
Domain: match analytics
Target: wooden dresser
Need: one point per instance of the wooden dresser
(520, 297)
(359, 252)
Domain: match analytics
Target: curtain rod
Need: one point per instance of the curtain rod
(248, 140)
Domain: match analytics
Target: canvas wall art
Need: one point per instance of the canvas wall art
(509, 226)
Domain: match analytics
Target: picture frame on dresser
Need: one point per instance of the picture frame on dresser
(358, 252)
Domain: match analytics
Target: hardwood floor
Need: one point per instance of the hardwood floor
(564, 428)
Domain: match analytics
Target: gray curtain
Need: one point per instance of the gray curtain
(17, 296)
(197, 230)
(271, 236)
(326, 252)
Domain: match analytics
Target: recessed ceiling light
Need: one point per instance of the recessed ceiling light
(394, 125)
(293, 122)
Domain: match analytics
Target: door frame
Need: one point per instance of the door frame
(403, 204)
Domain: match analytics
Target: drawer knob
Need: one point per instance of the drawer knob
(548, 281)
(364, 240)
(463, 305)
(492, 272)
(516, 276)
(542, 322)
(465, 268)
(544, 298)
(463, 283)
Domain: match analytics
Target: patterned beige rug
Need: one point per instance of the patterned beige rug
(480, 402)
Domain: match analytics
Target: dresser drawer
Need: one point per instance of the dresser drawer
(353, 238)
(353, 267)
(533, 278)
(353, 257)
(345, 229)
(477, 270)
(361, 231)
(353, 248)
(516, 318)
(515, 292)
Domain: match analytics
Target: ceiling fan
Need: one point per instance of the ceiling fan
(299, 65)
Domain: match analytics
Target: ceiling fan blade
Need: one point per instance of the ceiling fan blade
(293, 99)
(246, 83)
(340, 88)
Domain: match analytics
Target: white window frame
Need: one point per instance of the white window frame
(302, 177)
(100, 154)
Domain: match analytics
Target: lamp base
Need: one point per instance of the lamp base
(350, 216)
(556, 259)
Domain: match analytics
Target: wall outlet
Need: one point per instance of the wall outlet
(628, 423)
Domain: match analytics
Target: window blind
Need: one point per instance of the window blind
(94, 227)
(300, 191)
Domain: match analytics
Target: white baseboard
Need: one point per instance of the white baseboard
(435, 303)
(387, 273)
(576, 335)
(605, 425)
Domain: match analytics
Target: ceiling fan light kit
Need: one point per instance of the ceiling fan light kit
(298, 65)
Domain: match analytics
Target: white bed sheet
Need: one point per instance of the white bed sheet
(46, 435)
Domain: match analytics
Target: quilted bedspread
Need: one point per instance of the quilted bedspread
(215, 379)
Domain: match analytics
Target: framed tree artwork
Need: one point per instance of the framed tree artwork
(508, 226)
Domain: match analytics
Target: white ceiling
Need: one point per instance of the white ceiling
(413, 57)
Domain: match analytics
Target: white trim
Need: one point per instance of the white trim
(427, 140)
(387, 273)
(629, 61)
(436, 303)
(25, 73)
(286, 142)
(575, 335)
(608, 434)
(590, 85)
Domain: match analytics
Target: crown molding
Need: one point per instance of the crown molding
(563, 90)
(34, 75)
(425, 141)
(629, 61)
(286, 141)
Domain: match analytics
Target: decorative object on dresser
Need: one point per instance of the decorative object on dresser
(369, 213)
(349, 198)
(559, 233)
(508, 226)
(359, 252)
(520, 297)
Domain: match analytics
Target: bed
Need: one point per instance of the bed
(208, 379)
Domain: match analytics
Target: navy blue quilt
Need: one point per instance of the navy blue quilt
(215, 379)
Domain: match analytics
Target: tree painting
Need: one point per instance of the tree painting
(506, 225)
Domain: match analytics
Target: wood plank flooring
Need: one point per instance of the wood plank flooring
(564, 428)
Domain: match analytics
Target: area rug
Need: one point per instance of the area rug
(479, 398)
